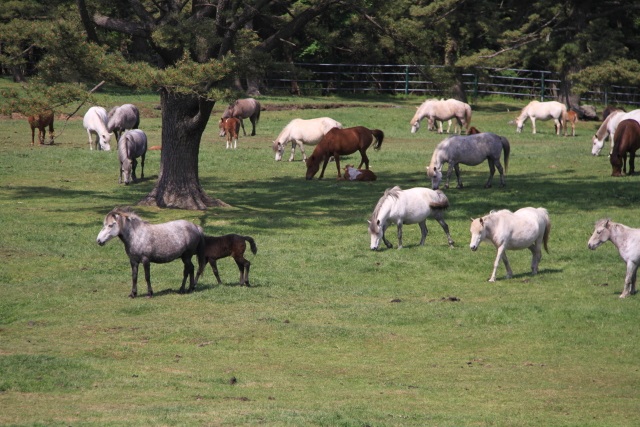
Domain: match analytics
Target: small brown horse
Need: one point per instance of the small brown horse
(625, 140)
(338, 142)
(247, 108)
(230, 127)
(472, 131)
(228, 245)
(353, 174)
(569, 118)
(40, 122)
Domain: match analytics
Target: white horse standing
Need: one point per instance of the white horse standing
(412, 206)
(442, 110)
(300, 132)
(536, 110)
(522, 229)
(95, 122)
(627, 241)
(609, 126)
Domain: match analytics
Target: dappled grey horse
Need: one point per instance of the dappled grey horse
(247, 108)
(158, 243)
(132, 144)
(122, 118)
(469, 150)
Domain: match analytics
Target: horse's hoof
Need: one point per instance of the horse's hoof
(132, 295)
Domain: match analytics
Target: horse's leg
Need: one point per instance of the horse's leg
(384, 239)
(364, 159)
(243, 266)
(214, 267)
(147, 277)
(134, 165)
(632, 162)
(253, 124)
(438, 215)
(324, 165)
(399, 234)
(188, 271)
(559, 127)
(337, 160)
(536, 256)
(501, 255)
(533, 124)
(134, 279)
(293, 151)
(242, 125)
(492, 171)
(91, 140)
(142, 166)
(456, 167)
(629, 280)
(424, 231)
(500, 171)
(33, 135)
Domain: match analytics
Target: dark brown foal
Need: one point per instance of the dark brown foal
(228, 245)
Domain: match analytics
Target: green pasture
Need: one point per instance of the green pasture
(330, 333)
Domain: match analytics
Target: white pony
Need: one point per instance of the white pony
(412, 206)
(442, 110)
(300, 131)
(609, 126)
(542, 111)
(95, 122)
(627, 241)
(522, 229)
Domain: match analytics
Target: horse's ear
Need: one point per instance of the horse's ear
(369, 222)
(471, 219)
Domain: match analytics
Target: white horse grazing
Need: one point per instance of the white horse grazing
(609, 126)
(536, 110)
(300, 131)
(627, 241)
(412, 206)
(121, 118)
(442, 110)
(526, 228)
(95, 122)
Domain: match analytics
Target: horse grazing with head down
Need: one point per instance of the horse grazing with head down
(526, 228)
(158, 243)
(626, 140)
(247, 108)
(95, 122)
(609, 126)
(469, 150)
(232, 245)
(41, 122)
(442, 110)
(230, 127)
(536, 110)
(132, 144)
(339, 142)
(300, 132)
(122, 118)
(412, 206)
(627, 241)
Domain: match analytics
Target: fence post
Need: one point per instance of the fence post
(542, 86)
(475, 85)
(406, 80)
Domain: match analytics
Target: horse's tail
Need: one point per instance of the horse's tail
(379, 136)
(506, 147)
(441, 201)
(547, 230)
(200, 254)
(252, 243)
(257, 111)
(467, 116)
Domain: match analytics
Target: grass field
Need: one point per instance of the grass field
(330, 333)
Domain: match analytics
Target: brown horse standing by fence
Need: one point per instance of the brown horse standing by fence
(625, 140)
(228, 245)
(230, 127)
(338, 142)
(40, 122)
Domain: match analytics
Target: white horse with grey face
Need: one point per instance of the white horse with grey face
(536, 110)
(412, 206)
(627, 241)
(132, 144)
(526, 228)
(300, 132)
(95, 122)
(609, 126)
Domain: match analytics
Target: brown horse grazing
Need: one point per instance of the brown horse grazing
(338, 142)
(247, 108)
(353, 174)
(472, 131)
(40, 122)
(625, 140)
(230, 127)
(228, 245)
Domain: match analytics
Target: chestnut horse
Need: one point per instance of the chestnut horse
(232, 245)
(338, 142)
(570, 118)
(353, 174)
(472, 131)
(625, 140)
(40, 122)
(230, 127)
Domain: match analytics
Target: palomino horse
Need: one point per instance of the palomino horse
(570, 117)
(339, 142)
(158, 243)
(122, 118)
(469, 150)
(132, 144)
(230, 127)
(228, 245)
(353, 174)
(526, 228)
(536, 110)
(95, 122)
(41, 122)
(627, 241)
(609, 126)
(442, 110)
(247, 108)
(412, 206)
(299, 132)
(626, 140)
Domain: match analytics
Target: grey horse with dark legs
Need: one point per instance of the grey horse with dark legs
(132, 145)
(158, 243)
(247, 108)
(122, 118)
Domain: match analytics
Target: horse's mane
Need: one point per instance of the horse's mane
(127, 212)
(393, 192)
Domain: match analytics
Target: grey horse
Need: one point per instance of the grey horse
(122, 118)
(469, 150)
(158, 243)
(132, 144)
(247, 108)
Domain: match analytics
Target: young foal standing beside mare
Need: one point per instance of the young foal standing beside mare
(41, 122)
(228, 245)
(343, 141)
(627, 241)
(626, 140)
(526, 228)
(230, 127)
(158, 243)
(247, 108)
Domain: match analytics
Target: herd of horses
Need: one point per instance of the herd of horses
(526, 228)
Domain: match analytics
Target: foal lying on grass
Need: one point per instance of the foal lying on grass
(228, 245)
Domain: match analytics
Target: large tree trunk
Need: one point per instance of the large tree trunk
(184, 118)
